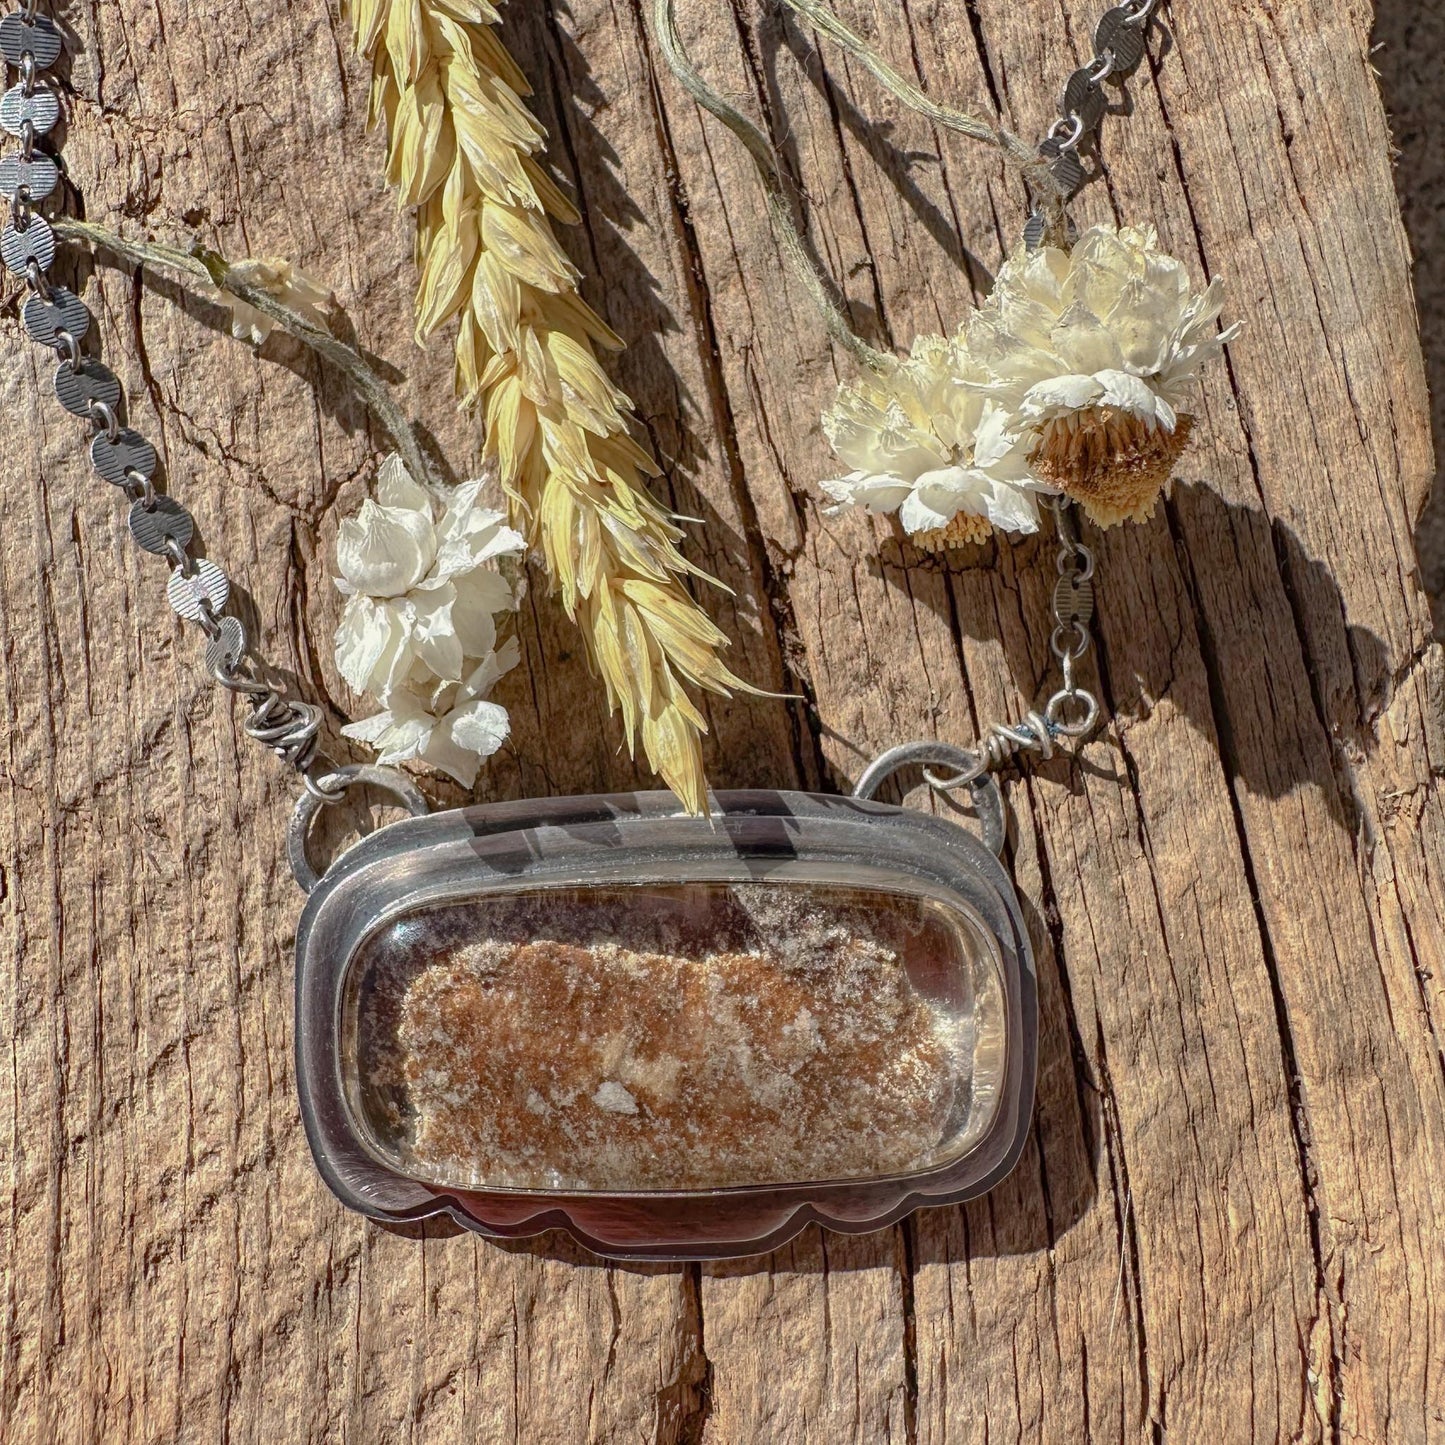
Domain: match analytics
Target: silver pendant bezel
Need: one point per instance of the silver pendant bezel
(645, 837)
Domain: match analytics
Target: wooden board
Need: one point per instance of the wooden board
(1226, 1226)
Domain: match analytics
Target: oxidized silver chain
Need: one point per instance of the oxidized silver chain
(1071, 712)
(55, 317)
(1119, 40)
(1073, 609)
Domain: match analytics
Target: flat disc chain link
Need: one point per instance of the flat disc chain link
(1119, 43)
(197, 589)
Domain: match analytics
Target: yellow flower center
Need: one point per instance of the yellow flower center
(961, 530)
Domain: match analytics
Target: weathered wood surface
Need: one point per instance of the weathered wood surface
(1226, 1226)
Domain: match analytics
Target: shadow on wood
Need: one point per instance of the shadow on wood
(1132, 681)
(1409, 56)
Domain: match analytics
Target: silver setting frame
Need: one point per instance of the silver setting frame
(643, 837)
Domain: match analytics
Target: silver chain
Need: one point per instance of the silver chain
(1119, 40)
(1073, 609)
(1072, 711)
(55, 317)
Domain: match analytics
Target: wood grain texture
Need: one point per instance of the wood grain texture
(1226, 1223)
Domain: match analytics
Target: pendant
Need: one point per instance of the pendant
(673, 1037)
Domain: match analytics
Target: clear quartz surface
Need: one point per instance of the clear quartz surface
(684, 1037)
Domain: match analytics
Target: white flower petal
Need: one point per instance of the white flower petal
(443, 754)
(917, 516)
(1011, 508)
(481, 727)
(383, 551)
(471, 534)
(1084, 343)
(860, 489)
(367, 633)
(433, 636)
(480, 596)
(396, 487)
(398, 740)
(997, 447)
(491, 669)
(1144, 341)
(877, 434)
(1059, 394)
(370, 729)
(951, 488)
(247, 324)
(1130, 394)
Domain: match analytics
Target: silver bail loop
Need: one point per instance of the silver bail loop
(969, 768)
(330, 789)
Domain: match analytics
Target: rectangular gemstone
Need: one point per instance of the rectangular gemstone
(696, 1036)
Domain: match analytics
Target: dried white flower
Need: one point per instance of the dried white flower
(1094, 352)
(1070, 378)
(925, 441)
(453, 730)
(419, 628)
(283, 281)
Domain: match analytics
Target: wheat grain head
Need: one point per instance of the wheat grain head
(461, 153)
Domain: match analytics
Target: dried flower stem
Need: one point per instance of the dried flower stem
(461, 148)
(1017, 152)
(820, 286)
(214, 270)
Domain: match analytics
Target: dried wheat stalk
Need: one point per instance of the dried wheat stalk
(461, 153)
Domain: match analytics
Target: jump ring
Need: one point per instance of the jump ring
(970, 768)
(178, 557)
(1074, 128)
(326, 790)
(1054, 712)
(140, 488)
(207, 620)
(103, 414)
(35, 279)
(69, 349)
(1075, 648)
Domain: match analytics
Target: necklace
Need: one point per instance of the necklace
(677, 1037)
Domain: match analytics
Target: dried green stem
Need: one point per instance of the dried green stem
(825, 22)
(1023, 158)
(820, 286)
(211, 269)
(1017, 153)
